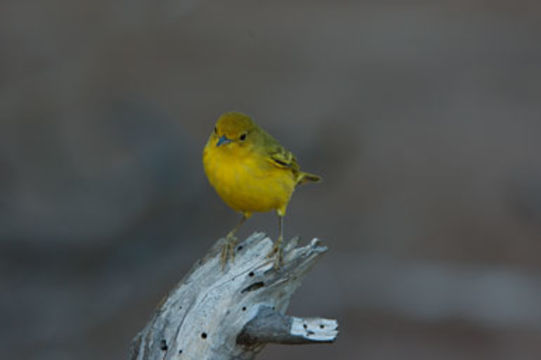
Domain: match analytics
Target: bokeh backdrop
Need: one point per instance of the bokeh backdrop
(424, 118)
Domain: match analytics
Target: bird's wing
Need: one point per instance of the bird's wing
(282, 158)
(276, 154)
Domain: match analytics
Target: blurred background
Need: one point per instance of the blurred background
(423, 117)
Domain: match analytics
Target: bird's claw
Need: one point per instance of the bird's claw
(278, 253)
(228, 250)
(278, 260)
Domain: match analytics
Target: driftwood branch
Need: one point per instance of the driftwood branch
(270, 326)
(231, 313)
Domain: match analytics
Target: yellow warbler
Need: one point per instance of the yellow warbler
(251, 172)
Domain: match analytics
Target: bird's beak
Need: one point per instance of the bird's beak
(223, 140)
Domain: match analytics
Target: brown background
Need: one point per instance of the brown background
(424, 118)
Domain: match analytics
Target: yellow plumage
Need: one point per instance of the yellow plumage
(250, 171)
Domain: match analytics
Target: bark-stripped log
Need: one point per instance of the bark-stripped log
(231, 313)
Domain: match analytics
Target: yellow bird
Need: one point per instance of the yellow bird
(251, 172)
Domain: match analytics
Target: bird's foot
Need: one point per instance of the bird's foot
(278, 253)
(228, 250)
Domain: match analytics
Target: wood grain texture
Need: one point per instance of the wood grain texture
(215, 314)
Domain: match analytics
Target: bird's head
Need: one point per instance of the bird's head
(233, 130)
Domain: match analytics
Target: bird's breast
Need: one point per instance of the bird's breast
(247, 183)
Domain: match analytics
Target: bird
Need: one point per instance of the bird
(251, 172)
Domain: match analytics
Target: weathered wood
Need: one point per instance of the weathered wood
(231, 313)
(270, 326)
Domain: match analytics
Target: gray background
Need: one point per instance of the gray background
(423, 117)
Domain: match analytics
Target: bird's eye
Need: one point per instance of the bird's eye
(215, 130)
(242, 137)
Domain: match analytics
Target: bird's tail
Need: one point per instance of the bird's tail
(305, 177)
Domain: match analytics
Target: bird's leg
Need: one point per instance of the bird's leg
(228, 251)
(277, 249)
